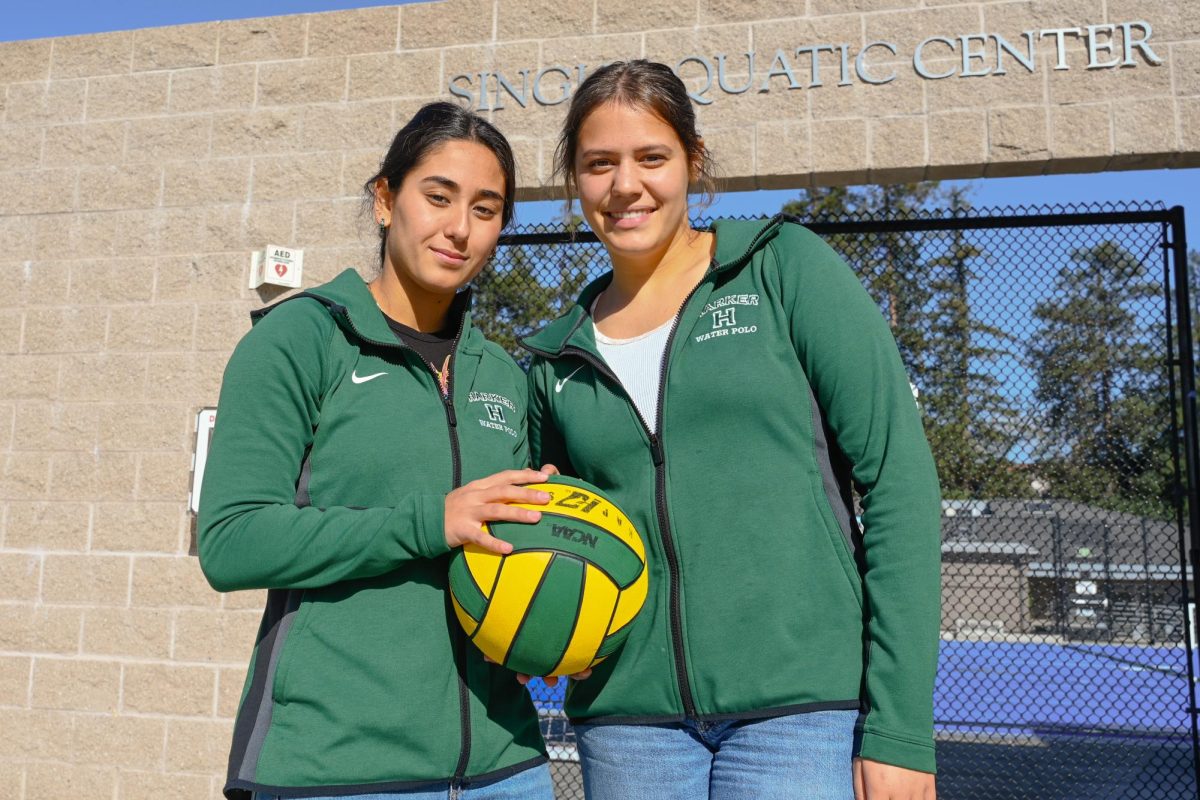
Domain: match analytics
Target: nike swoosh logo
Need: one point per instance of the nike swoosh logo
(561, 383)
(354, 377)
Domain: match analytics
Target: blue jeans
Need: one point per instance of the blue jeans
(530, 784)
(781, 758)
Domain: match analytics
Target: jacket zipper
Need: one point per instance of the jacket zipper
(660, 469)
(460, 639)
(660, 496)
(660, 502)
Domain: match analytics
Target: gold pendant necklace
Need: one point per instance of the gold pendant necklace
(442, 375)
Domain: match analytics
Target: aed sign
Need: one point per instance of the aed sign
(282, 266)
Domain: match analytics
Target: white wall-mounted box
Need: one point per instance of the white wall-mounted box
(278, 265)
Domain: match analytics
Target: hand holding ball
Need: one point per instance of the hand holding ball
(566, 595)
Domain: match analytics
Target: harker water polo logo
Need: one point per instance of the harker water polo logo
(724, 313)
(494, 407)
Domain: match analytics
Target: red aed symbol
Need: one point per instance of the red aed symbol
(280, 269)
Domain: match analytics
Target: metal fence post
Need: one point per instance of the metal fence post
(1187, 385)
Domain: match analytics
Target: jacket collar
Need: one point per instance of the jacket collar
(737, 240)
(352, 305)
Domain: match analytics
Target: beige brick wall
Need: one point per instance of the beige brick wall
(138, 169)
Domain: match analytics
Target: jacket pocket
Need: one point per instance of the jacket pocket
(841, 548)
(292, 634)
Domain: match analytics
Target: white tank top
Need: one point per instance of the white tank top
(637, 362)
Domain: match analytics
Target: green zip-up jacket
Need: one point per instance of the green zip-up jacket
(331, 459)
(781, 387)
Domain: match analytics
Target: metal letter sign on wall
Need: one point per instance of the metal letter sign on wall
(971, 55)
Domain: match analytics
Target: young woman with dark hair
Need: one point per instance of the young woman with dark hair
(727, 388)
(348, 461)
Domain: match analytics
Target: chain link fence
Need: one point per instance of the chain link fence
(1044, 352)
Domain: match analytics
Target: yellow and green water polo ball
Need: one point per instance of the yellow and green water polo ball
(565, 597)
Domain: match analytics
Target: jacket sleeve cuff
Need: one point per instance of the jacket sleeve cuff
(431, 525)
(900, 752)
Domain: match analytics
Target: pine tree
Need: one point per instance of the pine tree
(1193, 272)
(967, 418)
(1101, 380)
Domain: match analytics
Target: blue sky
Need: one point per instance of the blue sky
(67, 17)
(32, 20)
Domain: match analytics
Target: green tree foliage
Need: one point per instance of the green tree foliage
(1194, 296)
(1101, 381)
(526, 286)
(967, 417)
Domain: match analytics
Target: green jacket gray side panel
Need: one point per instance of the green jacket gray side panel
(355, 678)
(784, 384)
